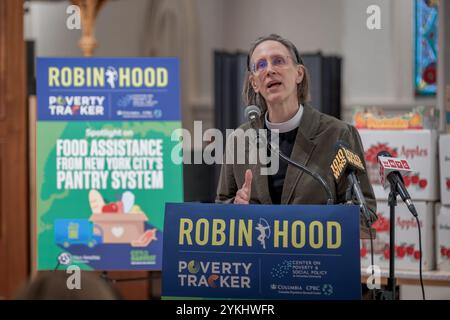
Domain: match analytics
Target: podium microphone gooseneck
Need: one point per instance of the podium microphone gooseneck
(252, 114)
(346, 162)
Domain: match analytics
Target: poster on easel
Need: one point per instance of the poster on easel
(105, 166)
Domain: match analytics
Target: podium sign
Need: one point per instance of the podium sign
(308, 252)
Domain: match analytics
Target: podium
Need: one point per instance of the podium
(302, 252)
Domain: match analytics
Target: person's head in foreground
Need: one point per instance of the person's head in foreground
(53, 285)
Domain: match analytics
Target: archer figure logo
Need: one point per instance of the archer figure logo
(111, 76)
(264, 231)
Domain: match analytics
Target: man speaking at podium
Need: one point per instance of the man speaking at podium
(277, 82)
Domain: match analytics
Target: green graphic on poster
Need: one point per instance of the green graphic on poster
(102, 188)
(106, 160)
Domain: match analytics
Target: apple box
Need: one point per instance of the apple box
(419, 147)
(120, 227)
(444, 164)
(406, 238)
(443, 237)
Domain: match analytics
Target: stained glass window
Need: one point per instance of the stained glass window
(426, 52)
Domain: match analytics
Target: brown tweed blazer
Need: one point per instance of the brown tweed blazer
(315, 148)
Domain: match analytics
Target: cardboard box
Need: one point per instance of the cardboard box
(443, 237)
(406, 238)
(444, 165)
(419, 147)
(119, 227)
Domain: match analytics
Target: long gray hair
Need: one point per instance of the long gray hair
(251, 97)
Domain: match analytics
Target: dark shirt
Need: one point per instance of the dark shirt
(276, 181)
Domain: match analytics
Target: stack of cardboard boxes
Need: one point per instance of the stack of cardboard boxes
(419, 147)
(443, 209)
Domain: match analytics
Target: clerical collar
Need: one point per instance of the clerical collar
(286, 126)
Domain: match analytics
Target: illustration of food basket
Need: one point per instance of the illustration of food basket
(120, 227)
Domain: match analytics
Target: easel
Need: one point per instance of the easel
(152, 280)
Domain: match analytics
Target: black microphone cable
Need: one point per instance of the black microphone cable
(372, 261)
(420, 259)
(254, 112)
(315, 175)
(407, 199)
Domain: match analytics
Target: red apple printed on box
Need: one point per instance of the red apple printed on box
(406, 250)
(445, 252)
(415, 181)
(371, 157)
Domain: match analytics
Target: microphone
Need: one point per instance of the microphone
(252, 113)
(390, 169)
(347, 162)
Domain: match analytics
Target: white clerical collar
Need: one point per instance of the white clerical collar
(286, 126)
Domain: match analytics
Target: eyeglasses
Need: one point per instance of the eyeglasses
(276, 61)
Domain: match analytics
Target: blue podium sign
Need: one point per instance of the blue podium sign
(308, 252)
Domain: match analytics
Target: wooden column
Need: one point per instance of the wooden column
(14, 202)
(89, 10)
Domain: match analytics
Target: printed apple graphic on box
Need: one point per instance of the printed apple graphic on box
(406, 250)
(386, 253)
(406, 247)
(363, 252)
(410, 250)
(418, 147)
(400, 251)
(382, 224)
(417, 255)
(415, 181)
(445, 252)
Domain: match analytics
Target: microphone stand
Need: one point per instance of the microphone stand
(350, 195)
(390, 292)
(353, 192)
